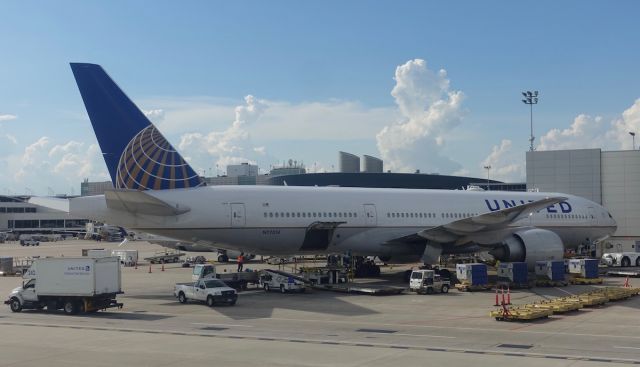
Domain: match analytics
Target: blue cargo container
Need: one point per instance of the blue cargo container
(587, 268)
(475, 274)
(550, 270)
(515, 272)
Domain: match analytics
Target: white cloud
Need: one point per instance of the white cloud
(231, 146)
(584, 132)
(8, 117)
(506, 165)
(11, 138)
(155, 116)
(628, 122)
(430, 110)
(64, 165)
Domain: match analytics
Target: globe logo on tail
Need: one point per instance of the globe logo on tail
(149, 162)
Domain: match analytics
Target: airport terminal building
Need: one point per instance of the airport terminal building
(17, 215)
(610, 178)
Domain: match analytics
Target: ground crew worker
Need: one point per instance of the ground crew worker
(240, 261)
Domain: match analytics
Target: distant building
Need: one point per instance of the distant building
(244, 169)
(371, 164)
(608, 178)
(348, 163)
(94, 188)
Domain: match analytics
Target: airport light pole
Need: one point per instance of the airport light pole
(633, 136)
(531, 99)
(488, 168)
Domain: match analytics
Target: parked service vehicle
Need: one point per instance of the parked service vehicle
(235, 280)
(127, 257)
(211, 291)
(72, 284)
(623, 259)
(428, 282)
(29, 240)
(279, 280)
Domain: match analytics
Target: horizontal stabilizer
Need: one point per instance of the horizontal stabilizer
(140, 202)
(51, 203)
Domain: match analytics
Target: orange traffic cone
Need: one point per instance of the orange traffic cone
(502, 290)
(162, 267)
(149, 268)
(508, 296)
(626, 282)
(497, 302)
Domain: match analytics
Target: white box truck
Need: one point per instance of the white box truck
(72, 284)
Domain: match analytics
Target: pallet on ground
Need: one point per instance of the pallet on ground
(592, 299)
(520, 314)
(556, 306)
(585, 281)
(617, 294)
(468, 287)
(551, 283)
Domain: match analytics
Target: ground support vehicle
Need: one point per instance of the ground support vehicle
(29, 242)
(72, 284)
(211, 291)
(165, 257)
(238, 280)
(428, 282)
(281, 281)
(127, 257)
(622, 259)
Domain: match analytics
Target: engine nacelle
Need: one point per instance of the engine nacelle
(530, 246)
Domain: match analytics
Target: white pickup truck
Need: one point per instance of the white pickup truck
(211, 291)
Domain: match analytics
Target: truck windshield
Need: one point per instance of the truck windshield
(214, 283)
(416, 275)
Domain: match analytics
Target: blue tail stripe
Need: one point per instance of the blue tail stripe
(128, 140)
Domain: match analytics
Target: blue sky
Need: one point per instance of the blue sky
(322, 76)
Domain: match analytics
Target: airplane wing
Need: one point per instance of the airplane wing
(141, 202)
(485, 228)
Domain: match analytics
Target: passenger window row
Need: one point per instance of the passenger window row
(411, 215)
(430, 215)
(569, 216)
(342, 215)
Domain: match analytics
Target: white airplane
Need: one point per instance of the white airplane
(157, 192)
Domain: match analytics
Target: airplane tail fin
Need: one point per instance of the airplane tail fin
(137, 155)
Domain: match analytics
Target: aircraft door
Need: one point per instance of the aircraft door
(237, 215)
(370, 218)
(592, 216)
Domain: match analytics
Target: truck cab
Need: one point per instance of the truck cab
(428, 282)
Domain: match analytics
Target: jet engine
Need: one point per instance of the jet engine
(529, 246)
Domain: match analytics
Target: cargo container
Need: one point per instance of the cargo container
(550, 270)
(6, 265)
(513, 272)
(587, 268)
(72, 284)
(474, 274)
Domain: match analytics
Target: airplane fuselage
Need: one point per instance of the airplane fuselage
(288, 220)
